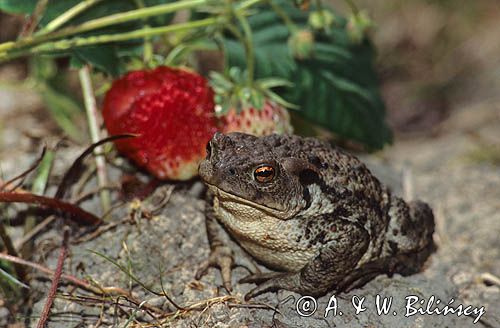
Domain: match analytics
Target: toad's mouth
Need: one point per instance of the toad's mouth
(224, 196)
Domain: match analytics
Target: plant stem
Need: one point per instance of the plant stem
(147, 53)
(248, 42)
(99, 39)
(67, 16)
(81, 283)
(103, 22)
(34, 19)
(352, 5)
(28, 45)
(56, 278)
(91, 110)
(11, 250)
(284, 16)
(248, 4)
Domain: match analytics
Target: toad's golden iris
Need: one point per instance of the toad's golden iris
(264, 173)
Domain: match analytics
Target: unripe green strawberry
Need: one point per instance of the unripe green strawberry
(172, 112)
(358, 25)
(321, 19)
(272, 118)
(250, 107)
(301, 44)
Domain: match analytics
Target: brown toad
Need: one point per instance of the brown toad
(310, 211)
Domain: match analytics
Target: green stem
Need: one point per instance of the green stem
(248, 4)
(39, 43)
(91, 110)
(99, 39)
(103, 22)
(319, 5)
(352, 5)
(67, 16)
(147, 53)
(248, 42)
(237, 34)
(34, 19)
(292, 27)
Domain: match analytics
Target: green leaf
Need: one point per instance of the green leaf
(336, 87)
(18, 6)
(104, 58)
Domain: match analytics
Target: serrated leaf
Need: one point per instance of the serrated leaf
(336, 88)
(104, 58)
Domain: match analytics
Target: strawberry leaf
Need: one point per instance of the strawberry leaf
(18, 7)
(335, 86)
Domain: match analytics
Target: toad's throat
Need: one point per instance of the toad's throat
(261, 232)
(243, 204)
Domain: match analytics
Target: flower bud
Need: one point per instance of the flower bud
(358, 25)
(321, 19)
(301, 44)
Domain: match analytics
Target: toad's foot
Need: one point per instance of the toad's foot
(272, 281)
(222, 257)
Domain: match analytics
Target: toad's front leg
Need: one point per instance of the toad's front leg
(221, 254)
(336, 258)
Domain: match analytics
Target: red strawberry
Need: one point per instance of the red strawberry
(272, 118)
(172, 111)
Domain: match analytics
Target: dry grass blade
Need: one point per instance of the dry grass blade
(81, 283)
(134, 278)
(25, 173)
(12, 279)
(33, 232)
(178, 307)
(75, 212)
(9, 246)
(73, 173)
(72, 279)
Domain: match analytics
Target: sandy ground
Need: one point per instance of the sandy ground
(455, 171)
(451, 159)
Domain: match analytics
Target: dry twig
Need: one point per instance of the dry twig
(55, 281)
(28, 198)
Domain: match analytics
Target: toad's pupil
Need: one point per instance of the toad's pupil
(264, 174)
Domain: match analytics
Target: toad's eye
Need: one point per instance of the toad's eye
(264, 173)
